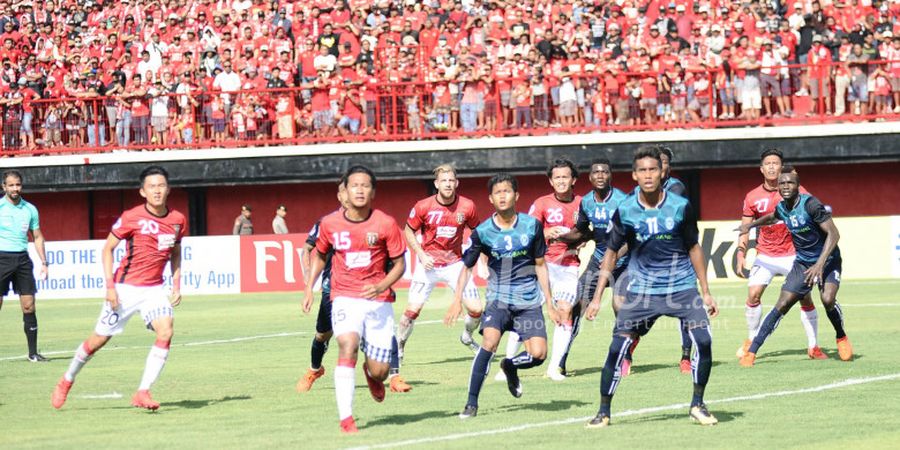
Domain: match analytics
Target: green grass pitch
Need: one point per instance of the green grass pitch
(229, 383)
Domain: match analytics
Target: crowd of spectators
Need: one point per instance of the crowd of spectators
(168, 72)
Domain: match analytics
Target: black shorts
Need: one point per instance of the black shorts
(17, 269)
(587, 283)
(639, 311)
(526, 321)
(323, 320)
(796, 279)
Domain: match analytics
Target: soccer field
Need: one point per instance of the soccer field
(229, 383)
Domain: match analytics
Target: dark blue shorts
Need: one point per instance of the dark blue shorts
(587, 283)
(527, 322)
(323, 320)
(639, 311)
(796, 279)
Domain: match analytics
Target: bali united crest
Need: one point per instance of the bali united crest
(460, 218)
(371, 238)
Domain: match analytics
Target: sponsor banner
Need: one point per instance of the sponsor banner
(271, 262)
(895, 246)
(209, 265)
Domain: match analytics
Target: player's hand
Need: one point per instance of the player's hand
(112, 297)
(555, 232)
(482, 270)
(739, 269)
(453, 312)
(307, 302)
(554, 315)
(427, 261)
(743, 229)
(43, 272)
(814, 274)
(370, 291)
(592, 309)
(711, 306)
(175, 299)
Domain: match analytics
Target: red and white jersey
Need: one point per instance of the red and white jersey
(554, 213)
(149, 240)
(442, 227)
(771, 240)
(361, 251)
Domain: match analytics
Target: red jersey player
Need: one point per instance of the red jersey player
(441, 219)
(558, 213)
(154, 233)
(364, 241)
(774, 255)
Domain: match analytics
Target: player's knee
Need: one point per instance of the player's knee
(164, 333)
(323, 337)
(539, 355)
(702, 339)
(379, 371)
(475, 310)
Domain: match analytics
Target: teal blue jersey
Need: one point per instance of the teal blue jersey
(803, 222)
(595, 216)
(15, 223)
(511, 254)
(658, 242)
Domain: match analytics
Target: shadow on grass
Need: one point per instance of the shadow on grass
(402, 419)
(197, 404)
(722, 415)
(554, 405)
(444, 361)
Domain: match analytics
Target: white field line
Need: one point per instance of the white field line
(113, 395)
(633, 412)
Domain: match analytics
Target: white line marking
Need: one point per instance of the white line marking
(187, 344)
(633, 412)
(114, 395)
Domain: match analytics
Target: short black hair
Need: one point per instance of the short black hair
(503, 177)
(246, 206)
(787, 168)
(663, 150)
(358, 169)
(560, 163)
(12, 173)
(647, 151)
(282, 207)
(601, 160)
(770, 152)
(154, 170)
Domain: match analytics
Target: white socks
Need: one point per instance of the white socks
(810, 321)
(562, 335)
(512, 344)
(156, 360)
(78, 361)
(344, 386)
(754, 318)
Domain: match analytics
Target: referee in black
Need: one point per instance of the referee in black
(18, 222)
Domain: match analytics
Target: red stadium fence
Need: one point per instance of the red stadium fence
(348, 110)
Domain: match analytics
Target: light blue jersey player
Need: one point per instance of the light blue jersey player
(518, 282)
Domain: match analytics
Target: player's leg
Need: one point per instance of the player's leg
(620, 282)
(23, 283)
(347, 320)
(530, 326)
(158, 315)
(397, 383)
(689, 308)
(471, 301)
(786, 300)
(564, 286)
(809, 318)
(377, 342)
(110, 323)
(419, 290)
(319, 345)
(492, 329)
(587, 286)
(828, 292)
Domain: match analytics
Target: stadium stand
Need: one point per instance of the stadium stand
(86, 76)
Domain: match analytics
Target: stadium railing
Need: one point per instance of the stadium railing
(431, 109)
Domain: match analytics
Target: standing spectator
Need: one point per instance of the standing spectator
(819, 70)
(771, 86)
(159, 113)
(242, 224)
(279, 226)
(568, 100)
(229, 82)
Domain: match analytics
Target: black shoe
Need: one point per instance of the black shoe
(512, 377)
(601, 420)
(37, 358)
(469, 411)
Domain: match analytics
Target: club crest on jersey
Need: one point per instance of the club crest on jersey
(460, 218)
(575, 216)
(371, 238)
(523, 239)
(670, 223)
(177, 228)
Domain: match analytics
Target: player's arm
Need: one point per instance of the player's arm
(469, 259)
(690, 238)
(237, 226)
(743, 243)
(107, 257)
(410, 234)
(543, 278)
(316, 266)
(822, 217)
(371, 291)
(614, 245)
(42, 254)
(768, 219)
(305, 259)
(175, 261)
(580, 233)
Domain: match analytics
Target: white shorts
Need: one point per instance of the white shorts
(151, 301)
(372, 321)
(751, 98)
(563, 283)
(766, 267)
(424, 281)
